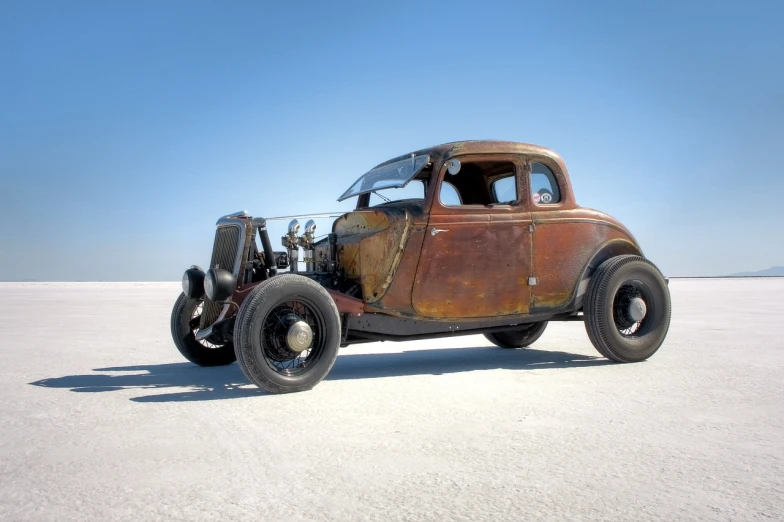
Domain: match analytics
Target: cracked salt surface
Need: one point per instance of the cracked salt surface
(103, 420)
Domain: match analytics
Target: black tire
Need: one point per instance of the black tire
(184, 325)
(260, 344)
(612, 330)
(518, 338)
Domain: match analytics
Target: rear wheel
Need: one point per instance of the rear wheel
(185, 318)
(287, 334)
(518, 338)
(627, 309)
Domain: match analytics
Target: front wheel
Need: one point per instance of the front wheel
(287, 334)
(627, 309)
(518, 338)
(185, 318)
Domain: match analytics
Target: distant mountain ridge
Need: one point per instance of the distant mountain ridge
(774, 271)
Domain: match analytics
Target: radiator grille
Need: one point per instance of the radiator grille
(224, 251)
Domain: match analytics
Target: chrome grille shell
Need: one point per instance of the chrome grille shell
(228, 252)
(224, 252)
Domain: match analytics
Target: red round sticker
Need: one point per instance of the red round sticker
(536, 198)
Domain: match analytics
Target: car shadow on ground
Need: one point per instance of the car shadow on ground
(228, 382)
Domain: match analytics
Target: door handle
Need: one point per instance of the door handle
(434, 231)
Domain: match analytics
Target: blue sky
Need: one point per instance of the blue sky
(127, 129)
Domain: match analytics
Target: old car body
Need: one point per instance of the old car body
(502, 253)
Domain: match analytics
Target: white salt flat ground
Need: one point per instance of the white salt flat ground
(100, 419)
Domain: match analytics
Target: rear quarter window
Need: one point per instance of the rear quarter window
(544, 187)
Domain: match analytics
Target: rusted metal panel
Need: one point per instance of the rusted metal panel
(371, 246)
(347, 304)
(563, 244)
(380, 256)
(349, 258)
(397, 299)
(361, 223)
(351, 228)
(475, 258)
(439, 153)
(239, 296)
(476, 268)
(582, 215)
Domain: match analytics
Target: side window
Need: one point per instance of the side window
(479, 182)
(449, 195)
(505, 190)
(544, 188)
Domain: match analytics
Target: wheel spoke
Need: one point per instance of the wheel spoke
(194, 323)
(274, 345)
(626, 325)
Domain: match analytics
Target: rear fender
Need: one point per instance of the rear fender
(613, 248)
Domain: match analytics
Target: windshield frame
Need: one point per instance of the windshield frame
(396, 174)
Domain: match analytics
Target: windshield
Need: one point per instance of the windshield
(392, 175)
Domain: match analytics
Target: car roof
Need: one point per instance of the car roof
(447, 150)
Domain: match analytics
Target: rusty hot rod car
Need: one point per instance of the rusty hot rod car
(487, 238)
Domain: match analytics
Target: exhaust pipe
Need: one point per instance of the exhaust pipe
(307, 241)
(291, 242)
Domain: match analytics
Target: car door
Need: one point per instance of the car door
(476, 255)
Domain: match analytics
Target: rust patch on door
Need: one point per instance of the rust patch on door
(473, 269)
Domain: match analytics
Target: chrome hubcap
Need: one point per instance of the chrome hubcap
(637, 309)
(299, 336)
